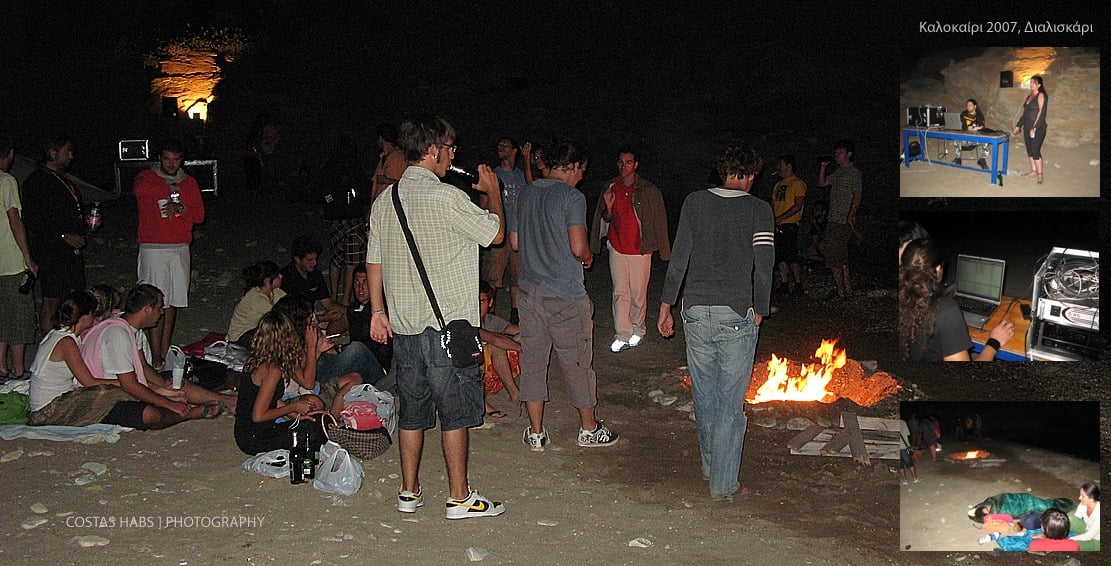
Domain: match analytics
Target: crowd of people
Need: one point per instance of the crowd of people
(529, 226)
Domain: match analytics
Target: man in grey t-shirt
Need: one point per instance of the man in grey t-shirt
(844, 199)
(549, 231)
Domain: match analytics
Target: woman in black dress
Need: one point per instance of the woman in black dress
(1033, 124)
(276, 352)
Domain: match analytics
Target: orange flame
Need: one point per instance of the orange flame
(971, 455)
(811, 383)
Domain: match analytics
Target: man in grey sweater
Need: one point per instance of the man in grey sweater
(722, 260)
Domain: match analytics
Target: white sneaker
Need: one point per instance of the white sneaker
(634, 341)
(601, 436)
(474, 505)
(618, 345)
(535, 441)
(407, 501)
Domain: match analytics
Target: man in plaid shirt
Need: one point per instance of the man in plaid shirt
(448, 230)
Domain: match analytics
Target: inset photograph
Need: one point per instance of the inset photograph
(1000, 122)
(987, 285)
(1006, 476)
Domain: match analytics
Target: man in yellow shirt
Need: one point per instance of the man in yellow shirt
(788, 196)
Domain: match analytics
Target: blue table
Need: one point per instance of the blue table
(963, 136)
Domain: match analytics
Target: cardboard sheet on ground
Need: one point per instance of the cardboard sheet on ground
(881, 438)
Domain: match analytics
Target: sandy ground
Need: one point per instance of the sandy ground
(323, 80)
(934, 511)
(1068, 172)
(179, 496)
(568, 505)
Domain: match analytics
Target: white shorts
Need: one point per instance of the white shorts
(166, 266)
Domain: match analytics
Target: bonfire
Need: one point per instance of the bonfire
(831, 377)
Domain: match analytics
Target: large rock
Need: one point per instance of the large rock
(189, 76)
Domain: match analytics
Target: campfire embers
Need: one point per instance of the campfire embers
(834, 376)
(976, 459)
(970, 455)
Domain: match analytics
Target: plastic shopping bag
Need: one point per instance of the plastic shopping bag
(338, 471)
(382, 400)
(231, 355)
(175, 359)
(272, 464)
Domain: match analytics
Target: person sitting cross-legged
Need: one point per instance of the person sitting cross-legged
(117, 348)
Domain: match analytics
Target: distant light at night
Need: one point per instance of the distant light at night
(198, 110)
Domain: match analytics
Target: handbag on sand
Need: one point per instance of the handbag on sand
(363, 444)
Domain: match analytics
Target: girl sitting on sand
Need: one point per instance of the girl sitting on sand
(59, 370)
(262, 282)
(276, 353)
(108, 301)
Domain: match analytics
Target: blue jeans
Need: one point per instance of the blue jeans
(720, 347)
(429, 386)
(354, 357)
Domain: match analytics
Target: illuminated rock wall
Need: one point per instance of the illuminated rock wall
(188, 76)
(1071, 78)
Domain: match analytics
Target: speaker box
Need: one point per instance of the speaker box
(169, 107)
(1006, 79)
(915, 148)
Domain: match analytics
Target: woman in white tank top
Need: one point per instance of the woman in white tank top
(58, 367)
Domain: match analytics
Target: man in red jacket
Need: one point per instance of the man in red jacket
(169, 205)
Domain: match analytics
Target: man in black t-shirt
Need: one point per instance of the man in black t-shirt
(302, 278)
(972, 120)
(358, 319)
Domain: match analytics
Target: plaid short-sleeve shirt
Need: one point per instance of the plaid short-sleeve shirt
(448, 229)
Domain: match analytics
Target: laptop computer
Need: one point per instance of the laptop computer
(979, 288)
(952, 120)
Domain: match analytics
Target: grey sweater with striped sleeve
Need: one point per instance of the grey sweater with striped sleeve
(724, 252)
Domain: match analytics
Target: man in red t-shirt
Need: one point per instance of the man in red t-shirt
(632, 217)
(169, 205)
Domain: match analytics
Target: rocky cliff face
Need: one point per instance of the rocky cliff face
(187, 76)
(1071, 77)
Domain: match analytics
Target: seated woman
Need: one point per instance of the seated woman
(329, 365)
(1055, 534)
(63, 391)
(1088, 512)
(108, 301)
(931, 326)
(276, 353)
(262, 283)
